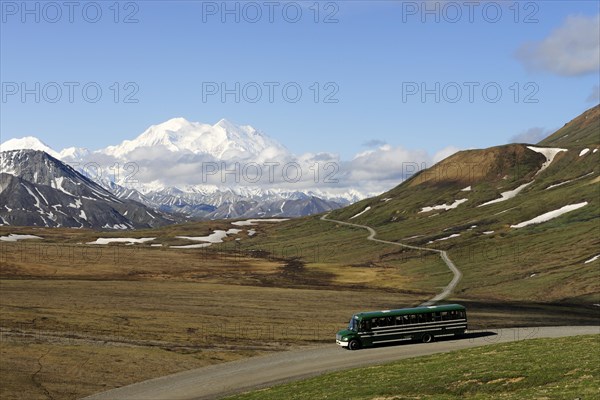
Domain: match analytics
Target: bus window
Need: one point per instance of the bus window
(437, 316)
(399, 320)
(365, 326)
(352, 325)
(444, 316)
(413, 319)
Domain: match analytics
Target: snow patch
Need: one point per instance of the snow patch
(15, 237)
(507, 195)
(45, 201)
(361, 213)
(467, 189)
(76, 205)
(251, 232)
(570, 180)
(443, 206)
(120, 240)
(592, 259)
(559, 184)
(215, 237)
(551, 215)
(121, 226)
(255, 221)
(583, 152)
(191, 246)
(488, 232)
(445, 238)
(37, 201)
(548, 152)
(57, 184)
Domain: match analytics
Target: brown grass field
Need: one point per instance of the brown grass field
(76, 319)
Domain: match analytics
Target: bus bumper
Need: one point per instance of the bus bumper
(340, 343)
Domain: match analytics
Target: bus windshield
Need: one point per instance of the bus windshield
(352, 325)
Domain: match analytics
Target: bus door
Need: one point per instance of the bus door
(365, 332)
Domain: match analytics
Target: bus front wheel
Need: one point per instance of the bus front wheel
(427, 338)
(354, 344)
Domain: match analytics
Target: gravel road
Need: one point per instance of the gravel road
(455, 271)
(235, 377)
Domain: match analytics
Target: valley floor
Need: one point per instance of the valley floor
(80, 319)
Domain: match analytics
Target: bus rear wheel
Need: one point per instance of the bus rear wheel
(354, 344)
(427, 338)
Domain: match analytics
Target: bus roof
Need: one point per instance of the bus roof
(405, 311)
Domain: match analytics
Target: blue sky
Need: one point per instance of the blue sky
(371, 57)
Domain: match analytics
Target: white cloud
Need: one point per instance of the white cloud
(383, 168)
(570, 50)
(378, 168)
(370, 172)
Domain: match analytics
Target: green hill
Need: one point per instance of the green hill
(582, 131)
(464, 205)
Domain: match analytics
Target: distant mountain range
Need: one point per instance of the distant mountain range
(38, 187)
(151, 169)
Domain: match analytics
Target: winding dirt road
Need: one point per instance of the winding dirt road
(446, 291)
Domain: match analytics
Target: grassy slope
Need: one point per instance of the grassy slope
(564, 368)
(542, 262)
(581, 131)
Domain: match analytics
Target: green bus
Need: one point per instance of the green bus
(367, 329)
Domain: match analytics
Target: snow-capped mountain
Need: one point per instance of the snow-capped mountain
(37, 189)
(230, 203)
(223, 140)
(168, 163)
(30, 143)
